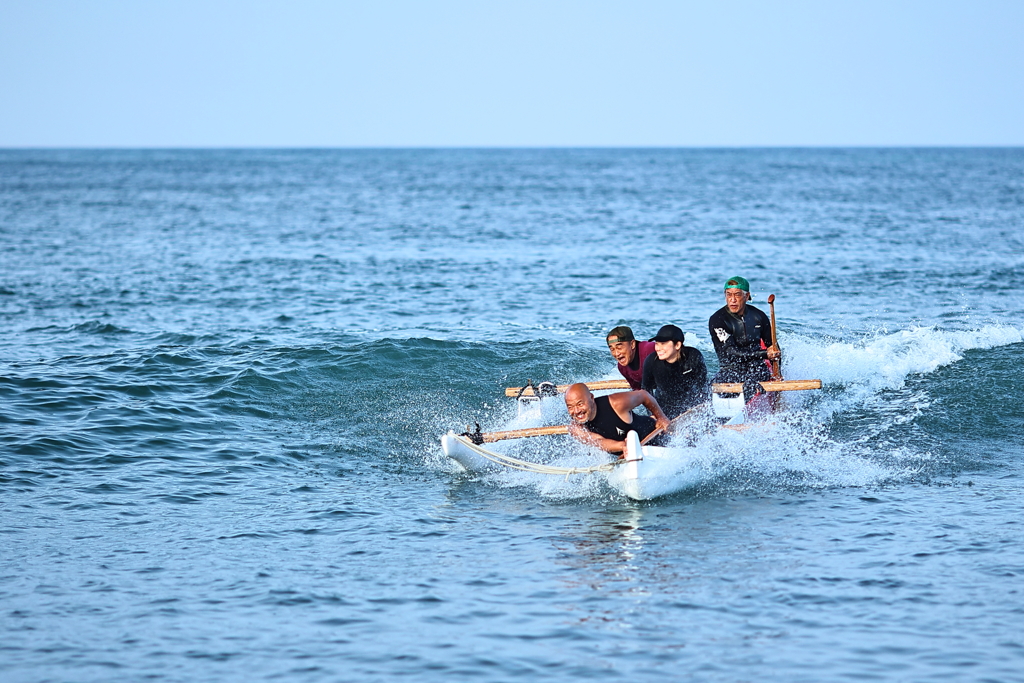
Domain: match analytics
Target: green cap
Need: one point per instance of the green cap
(620, 334)
(738, 283)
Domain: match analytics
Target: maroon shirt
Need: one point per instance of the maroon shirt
(635, 377)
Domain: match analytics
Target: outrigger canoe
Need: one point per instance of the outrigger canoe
(644, 471)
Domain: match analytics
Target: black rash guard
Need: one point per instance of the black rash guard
(608, 424)
(678, 386)
(741, 344)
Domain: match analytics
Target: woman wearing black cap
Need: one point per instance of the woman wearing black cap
(675, 374)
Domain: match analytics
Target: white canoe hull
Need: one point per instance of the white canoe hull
(466, 453)
(654, 471)
(645, 472)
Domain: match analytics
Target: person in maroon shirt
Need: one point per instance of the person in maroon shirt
(629, 354)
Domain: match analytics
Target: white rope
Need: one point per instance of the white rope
(526, 466)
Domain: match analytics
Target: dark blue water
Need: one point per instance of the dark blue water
(223, 377)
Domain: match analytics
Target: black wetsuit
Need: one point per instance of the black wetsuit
(608, 424)
(677, 386)
(741, 344)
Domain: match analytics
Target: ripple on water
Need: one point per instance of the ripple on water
(226, 371)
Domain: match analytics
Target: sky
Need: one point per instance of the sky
(447, 73)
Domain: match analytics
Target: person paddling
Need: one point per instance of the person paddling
(675, 374)
(742, 336)
(604, 421)
(629, 354)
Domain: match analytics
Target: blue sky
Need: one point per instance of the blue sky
(447, 73)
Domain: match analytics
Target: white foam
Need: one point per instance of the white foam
(785, 453)
(792, 450)
(885, 360)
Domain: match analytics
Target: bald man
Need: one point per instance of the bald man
(604, 421)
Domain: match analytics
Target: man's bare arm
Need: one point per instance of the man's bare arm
(625, 401)
(591, 439)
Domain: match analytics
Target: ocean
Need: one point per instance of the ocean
(224, 375)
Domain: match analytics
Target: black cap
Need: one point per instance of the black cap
(668, 333)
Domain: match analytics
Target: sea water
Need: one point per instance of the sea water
(224, 375)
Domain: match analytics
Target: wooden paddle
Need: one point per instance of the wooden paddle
(676, 421)
(776, 369)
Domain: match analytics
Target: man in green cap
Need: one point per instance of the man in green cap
(629, 354)
(742, 336)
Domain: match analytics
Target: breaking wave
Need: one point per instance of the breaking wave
(824, 439)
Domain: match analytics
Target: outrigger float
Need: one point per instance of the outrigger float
(643, 471)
